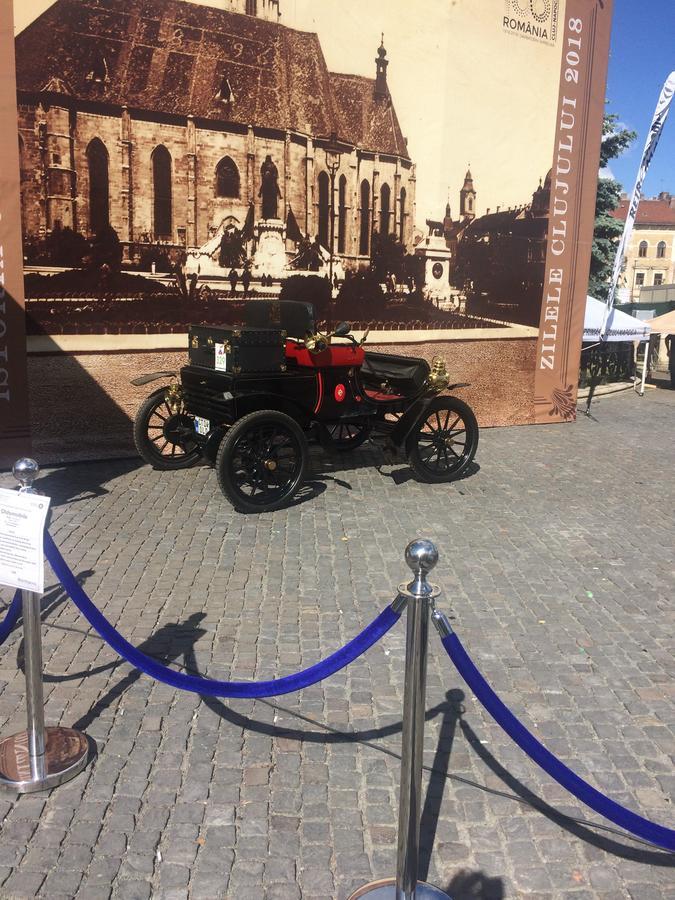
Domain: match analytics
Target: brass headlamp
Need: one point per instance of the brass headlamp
(438, 378)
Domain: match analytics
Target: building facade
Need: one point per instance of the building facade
(650, 259)
(167, 119)
(497, 259)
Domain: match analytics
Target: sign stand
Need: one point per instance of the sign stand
(38, 758)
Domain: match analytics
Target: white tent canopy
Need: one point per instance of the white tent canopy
(620, 326)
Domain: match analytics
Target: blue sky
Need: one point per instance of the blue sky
(642, 55)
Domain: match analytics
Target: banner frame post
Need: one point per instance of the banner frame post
(40, 757)
(421, 556)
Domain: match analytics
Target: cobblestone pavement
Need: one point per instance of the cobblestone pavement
(556, 559)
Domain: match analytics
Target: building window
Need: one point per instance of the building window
(402, 214)
(98, 69)
(99, 186)
(640, 278)
(342, 214)
(251, 7)
(661, 250)
(364, 237)
(161, 182)
(642, 249)
(225, 93)
(658, 278)
(324, 191)
(227, 178)
(385, 208)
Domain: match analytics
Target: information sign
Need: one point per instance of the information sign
(22, 521)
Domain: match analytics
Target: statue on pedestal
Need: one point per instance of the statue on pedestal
(269, 189)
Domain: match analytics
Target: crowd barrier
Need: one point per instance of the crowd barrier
(42, 757)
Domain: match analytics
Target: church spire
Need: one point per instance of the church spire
(467, 197)
(381, 88)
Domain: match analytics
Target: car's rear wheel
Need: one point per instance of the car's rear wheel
(444, 441)
(165, 435)
(262, 461)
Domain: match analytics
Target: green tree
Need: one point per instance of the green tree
(387, 256)
(607, 229)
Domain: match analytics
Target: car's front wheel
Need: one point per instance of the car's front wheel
(444, 442)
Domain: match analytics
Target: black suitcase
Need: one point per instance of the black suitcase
(237, 350)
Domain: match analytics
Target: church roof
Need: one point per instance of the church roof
(170, 56)
(364, 120)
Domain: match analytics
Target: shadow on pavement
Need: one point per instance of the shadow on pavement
(653, 857)
(438, 778)
(166, 645)
(475, 886)
(83, 480)
(177, 639)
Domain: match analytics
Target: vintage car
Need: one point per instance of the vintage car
(250, 398)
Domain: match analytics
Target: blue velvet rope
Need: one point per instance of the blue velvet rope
(649, 831)
(207, 686)
(12, 617)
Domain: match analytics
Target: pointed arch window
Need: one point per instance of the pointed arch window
(402, 215)
(642, 249)
(324, 205)
(364, 235)
(22, 164)
(342, 214)
(162, 193)
(99, 186)
(227, 178)
(385, 208)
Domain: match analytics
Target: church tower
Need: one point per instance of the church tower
(381, 63)
(467, 198)
(263, 9)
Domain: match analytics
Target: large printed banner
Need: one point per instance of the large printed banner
(434, 164)
(14, 421)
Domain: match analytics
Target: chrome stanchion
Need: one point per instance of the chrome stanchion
(38, 758)
(419, 595)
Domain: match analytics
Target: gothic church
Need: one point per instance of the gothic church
(165, 119)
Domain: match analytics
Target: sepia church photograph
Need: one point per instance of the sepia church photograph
(391, 163)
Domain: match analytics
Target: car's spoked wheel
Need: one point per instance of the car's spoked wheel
(165, 437)
(261, 461)
(444, 442)
(346, 436)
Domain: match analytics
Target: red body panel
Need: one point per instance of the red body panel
(334, 355)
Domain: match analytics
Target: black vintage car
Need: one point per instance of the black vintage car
(251, 398)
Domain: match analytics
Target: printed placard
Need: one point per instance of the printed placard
(221, 357)
(22, 522)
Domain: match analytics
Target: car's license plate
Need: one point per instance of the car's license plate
(202, 426)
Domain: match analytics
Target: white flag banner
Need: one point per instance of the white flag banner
(660, 116)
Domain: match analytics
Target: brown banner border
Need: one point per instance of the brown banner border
(585, 36)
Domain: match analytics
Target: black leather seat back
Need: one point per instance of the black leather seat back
(292, 316)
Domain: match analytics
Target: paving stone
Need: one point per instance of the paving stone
(560, 580)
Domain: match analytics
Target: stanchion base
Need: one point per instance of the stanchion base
(66, 754)
(385, 889)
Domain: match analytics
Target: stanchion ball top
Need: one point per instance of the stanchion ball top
(25, 471)
(421, 556)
